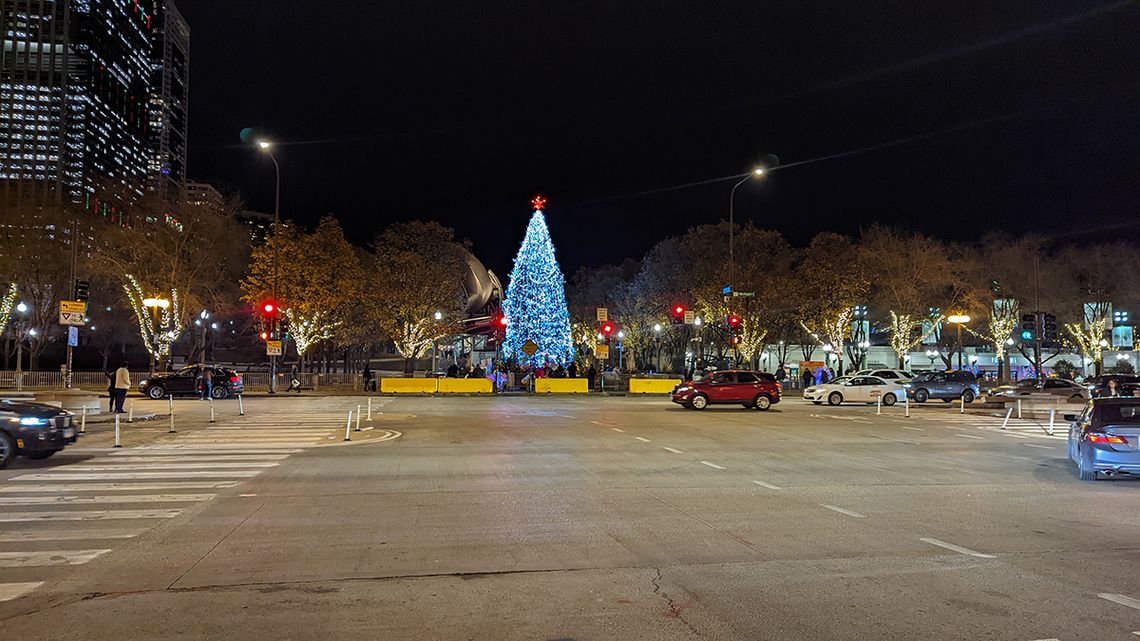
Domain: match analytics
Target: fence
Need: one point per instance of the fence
(253, 381)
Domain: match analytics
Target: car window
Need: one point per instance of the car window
(1054, 384)
(872, 380)
(767, 378)
(745, 377)
(885, 373)
(963, 377)
(1120, 413)
(842, 380)
(940, 377)
(1027, 383)
(187, 371)
(723, 377)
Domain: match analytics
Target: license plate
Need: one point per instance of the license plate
(69, 433)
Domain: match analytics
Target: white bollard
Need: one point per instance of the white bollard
(963, 405)
(131, 411)
(171, 400)
(358, 417)
(117, 443)
(1052, 417)
(241, 408)
(369, 409)
(212, 411)
(1007, 415)
(83, 421)
(1019, 408)
(906, 404)
(878, 404)
(348, 427)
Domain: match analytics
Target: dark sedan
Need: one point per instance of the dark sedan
(188, 381)
(34, 430)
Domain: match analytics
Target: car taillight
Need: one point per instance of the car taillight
(779, 385)
(1101, 437)
(235, 379)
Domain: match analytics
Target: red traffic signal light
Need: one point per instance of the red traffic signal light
(735, 340)
(503, 321)
(264, 336)
(269, 308)
(607, 328)
(679, 310)
(733, 320)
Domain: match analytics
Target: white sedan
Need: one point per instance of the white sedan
(856, 389)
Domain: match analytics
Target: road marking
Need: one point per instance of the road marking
(617, 429)
(957, 548)
(118, 498)
(917, 429)
(67, 535)
(1016, 435)
(129, 476)
(48, 557)
(675, 451)
(768, 485)
(169, 450)
(978, 438)
(1122, 600)
(163, 466)
(9, 591)
(834, 508)
(642, 439)
(194, 459)
(87, 515)
(1040, 447)
(712, 465)
(113, 487)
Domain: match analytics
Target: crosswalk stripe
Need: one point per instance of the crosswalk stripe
(117, 498)
(166, 466)
(48, 557)
(194, 459)
(9, 591)
(129, 476)
(70, 534)
(87, 515)
(195, 451)
(115, 487)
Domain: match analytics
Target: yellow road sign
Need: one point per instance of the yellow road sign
(530, 347)
(273, 348)
(603, 314)
(602, 352)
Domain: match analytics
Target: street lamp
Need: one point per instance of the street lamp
(203, 316)
(266, 147)
(20, 325)
(758, 172)
(959, 320)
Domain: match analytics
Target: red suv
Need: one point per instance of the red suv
(750, 389)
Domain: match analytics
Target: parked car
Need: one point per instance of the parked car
(186, 382)
(886, 374)
(747, 388)
(1056, 386)
(855, 389)
(1105, 438)
(1126, 385)
(944, 385)
(34, 430)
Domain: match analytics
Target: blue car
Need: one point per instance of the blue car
(1104, 439)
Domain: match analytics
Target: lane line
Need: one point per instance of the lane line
(917, 429)
(642, 439)
(675, 451)
(162, 466)
(147, 451)
(118, 498)
(48, 557)
(9, 591)
(1040, 447)
(957, 548)
(1016, 435)
(835, 508)
(194, 459)
(977, 438)
(768, 485)
(1121, 599)
(617, 429)
(115, 487)
(67, 535)
(87, 515)
(129, 476)
(712, 465)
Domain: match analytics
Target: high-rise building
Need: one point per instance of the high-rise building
(169, 97)
(75, 99)
(199, 194)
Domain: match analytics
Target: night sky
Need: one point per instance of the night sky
(460, 111)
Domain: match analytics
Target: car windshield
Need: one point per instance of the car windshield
(1120, 413)
(1029, 382)
(924, 376)
(842, 380)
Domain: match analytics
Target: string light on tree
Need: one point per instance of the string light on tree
(535, 304)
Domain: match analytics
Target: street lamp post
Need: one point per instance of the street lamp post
(267, 147)
(657, 343)
(759, 171)
(959, 320)
(20, 323)
(203, 316)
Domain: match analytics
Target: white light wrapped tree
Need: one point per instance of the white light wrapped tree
(158, 329)
(7, 301)
(1088, 335)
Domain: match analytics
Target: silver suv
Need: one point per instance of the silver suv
(944, 385)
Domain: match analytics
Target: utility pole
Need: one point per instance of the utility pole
(1037, 313)
(74, 260)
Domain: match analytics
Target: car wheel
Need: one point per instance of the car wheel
(889, 399)
(7, 450)
(699, 402)
(39, 456)
(968, 396)
(155, 392)
(762, 402)
(219, 392)
(835, 398)
(1085, 468)
(1077, 396)
(921, 395)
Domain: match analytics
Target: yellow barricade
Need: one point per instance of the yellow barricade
(562, 386)
(652, 385)
(464, 385)
(409, 385)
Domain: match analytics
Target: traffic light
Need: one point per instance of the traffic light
(678, 314)
(607, 329)
(1028, 327)
(269, 308)
(734, 322)
(82, 290)
(735, 339)
(1049, 328)
(264, 335)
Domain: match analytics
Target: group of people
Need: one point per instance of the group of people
(454, 371)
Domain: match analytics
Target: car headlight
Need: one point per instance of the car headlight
(906, 385)
(142, 382)
(32, 420)
(682, 388)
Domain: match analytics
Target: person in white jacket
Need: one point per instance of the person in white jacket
(122, 384)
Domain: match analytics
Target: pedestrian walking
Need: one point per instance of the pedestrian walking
(207, 382)
(780, 373)
(808, 377)
(367, 375)
(573, 371)
(122, 384)
(591, 375)
(110, 390)
(294, 380)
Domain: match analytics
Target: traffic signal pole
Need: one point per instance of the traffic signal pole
(1040, 319)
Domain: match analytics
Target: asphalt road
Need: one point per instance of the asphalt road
(567, 518)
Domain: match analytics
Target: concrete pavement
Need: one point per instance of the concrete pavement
(552, 518)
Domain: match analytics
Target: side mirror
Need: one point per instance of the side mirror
(1070, 417)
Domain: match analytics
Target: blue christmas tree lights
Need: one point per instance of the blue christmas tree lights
(535, 305)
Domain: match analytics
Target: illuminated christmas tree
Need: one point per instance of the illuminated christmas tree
(535, 305)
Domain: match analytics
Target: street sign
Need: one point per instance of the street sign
(602, 352)
(727, 291)
(690, 316)
(743, 294)
(273, 348)
(72, 312)
(73, 336)
(603, 314)
(529, 348)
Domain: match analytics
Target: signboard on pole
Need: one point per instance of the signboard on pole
(602, 352)
(530, 347)
(273, 348)
(690, 316)
(603, 314)
(73, 313)
(73, 337)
